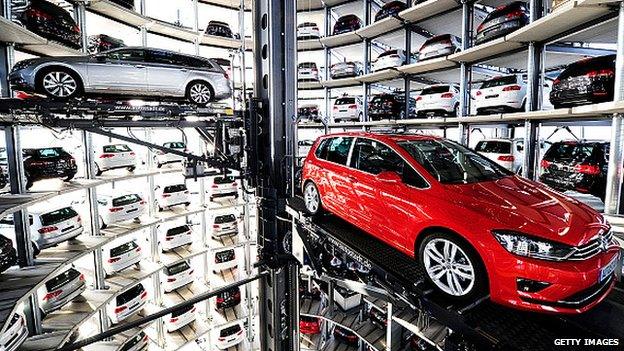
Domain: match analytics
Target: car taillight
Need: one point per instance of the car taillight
(133, 154)
(234, 184)
(138, 249)
(52, 295)
(512, 88)
(166, 195)
(601, 73)
(142, 202)
(220, 300)
(145, 338)
(556, 81)
(479, 93)
(215, 186)
(120, 309)
(513, 14)
(169, 280)
(113, 260)
(173, 320)
(447, 96)
(76, 29)
(335, 108)
(419, 98)
(144, 295)
(506, 158)
(107, 155)
(353, 107)
(33, 12)
(115, 209)
(78, 219)
(587, 169)
(40, 163)
(216, 226)
(169, 238)
(227, 77)
(82, 277)
(47, 229)
(315, 28)
(545, 164)
(221, 338)
(191, 271)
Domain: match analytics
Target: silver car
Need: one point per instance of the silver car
(134, 71)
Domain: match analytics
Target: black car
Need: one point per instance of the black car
(345, 336)
(347, 23)
(48, 20)
(309, 113)
(229, 298)
(220, 29)
(129, 4)
(583, 82)
(8, 256)
(577, 165)
(378, 317)
(46, 163)
(502, 21)
(390, 9)
(103, 42)
(390, 106)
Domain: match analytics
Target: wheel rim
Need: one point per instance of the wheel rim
(200, 93)
(311, 198)
(449, 267)
(59, 84)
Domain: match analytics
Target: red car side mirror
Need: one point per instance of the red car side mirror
(389, 177)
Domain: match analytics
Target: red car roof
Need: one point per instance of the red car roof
(386, 137)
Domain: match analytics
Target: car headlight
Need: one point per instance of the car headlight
(527, 246)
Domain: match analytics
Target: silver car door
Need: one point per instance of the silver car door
(167, 72)
(122, 71)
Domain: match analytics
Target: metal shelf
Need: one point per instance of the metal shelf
(378, 28)
(309, 85)
(428, 9)
(486, 50)
(385, 74)
(341, 82)
(343, 39)
(13, 33)
(309, 44)
(427, 66)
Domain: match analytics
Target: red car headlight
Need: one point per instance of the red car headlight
(527, 246)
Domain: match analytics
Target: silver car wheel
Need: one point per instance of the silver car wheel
(200, 93)
(311, 198)
(449, 267)
(59, 84)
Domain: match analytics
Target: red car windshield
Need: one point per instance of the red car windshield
(451, 163)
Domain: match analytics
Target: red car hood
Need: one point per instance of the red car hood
(531, 208)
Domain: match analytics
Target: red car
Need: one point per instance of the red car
(473, 226)
(309, 325)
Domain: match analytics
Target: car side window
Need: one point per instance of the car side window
(162, 57)
(520, 146)
(126, 55)
(321, 150)
(338, 150)
(412, 178)
(373, 157)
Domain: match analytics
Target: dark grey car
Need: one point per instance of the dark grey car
(129, 71)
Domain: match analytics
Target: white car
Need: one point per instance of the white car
(231, 335)
(508, 153)
(224, 225)
(180, 318)
(308, 30)
(348, 108)
(222, 186)
(388, 59)
(135, 343)
(176, 236)
(439, 99)
(48, 228)
(177, 276)
(114, 156)
(505, 93)
(114, 209)
(172, 195)
(127, 303)
(60, 290)
(15, 334)
(304, 147)
(224, 259)
(162, 158)
(120, 257)
(307, 71)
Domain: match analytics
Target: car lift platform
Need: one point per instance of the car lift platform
(486, 325)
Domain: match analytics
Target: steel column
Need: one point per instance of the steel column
(388, 326)
(407, 83)
(7, 55)
(465, 70)
(80, 16)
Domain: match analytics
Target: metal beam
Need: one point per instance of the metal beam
(576, 49)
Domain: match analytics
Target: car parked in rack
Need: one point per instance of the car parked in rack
(225, 225)
(390, 106)
(502, 21)
(162, 158)
(120, 208)
(60, 290)
(309, 325)
(180, 318)
(347, 23)
(120, 257)
(390, 59)
(389, 9)
(377, 317)
(102, 42)
(345, 335)
(307, 71)
(47, 163)
(114, 156)
(441, 45)
(347, 69)
(412, 192)
(577, 165)
(228, 298)
(350, 108)
(504, 93)
(439, 99)
(507, 153)
(308, 30)
(222, 186)
(230, 335)
(219, 28)
(309, 113)
(587, 81)
(47, 20)
(173, 237)
(136, 343)
(172, 195)
(224, 259)
(128, 72)
(15, 334)
(177, 275)
(8, 254)
(129, 4)
(127, 303)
